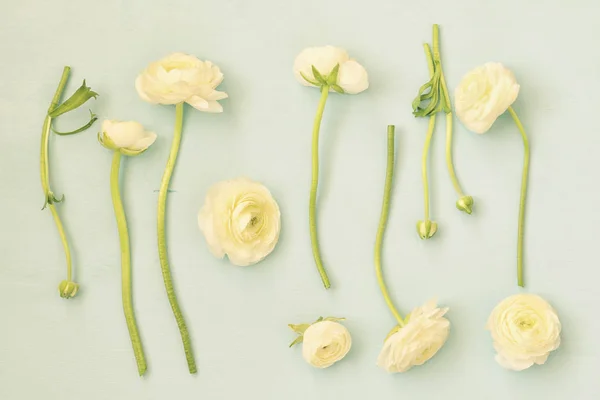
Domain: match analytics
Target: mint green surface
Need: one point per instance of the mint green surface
(51, 348)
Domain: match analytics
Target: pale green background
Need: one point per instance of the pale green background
(51, 348)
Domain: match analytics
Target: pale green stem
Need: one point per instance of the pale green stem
(45, 170)
(162, 242)
(312, 208)
(385, 208)
(136, 342)
(428, 137)
(449, 162)
(520, 279)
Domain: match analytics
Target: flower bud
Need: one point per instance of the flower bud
(465, 204)
(68, 289)
(426, 229)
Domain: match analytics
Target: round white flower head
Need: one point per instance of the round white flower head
(418, 341)
(240, 219)
(325, 343)
(180, 78)
(483, 95)
(351, 77)
(129, 137)
(525, 329)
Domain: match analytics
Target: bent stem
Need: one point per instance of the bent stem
(385, 208)
(449, 162)
(136, 342)
(49, 199)
(312, 208)
(162, 243)
(520, 279)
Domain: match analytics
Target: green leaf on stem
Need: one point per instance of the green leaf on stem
(93, 118)
(333, 75)
(309, 80)
(81, 95)
(318, 76)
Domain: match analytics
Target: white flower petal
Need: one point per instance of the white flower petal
(325, 343)
(129, 135)
(353, 77)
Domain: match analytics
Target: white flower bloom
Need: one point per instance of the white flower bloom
(418, 341)
(325, 343)
(181, 78)
(484, 94)
(525, 329)
(127, 135)
(240, 219)
(352, 77)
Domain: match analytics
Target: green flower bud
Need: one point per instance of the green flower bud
(68, 289)
(465, 204)
(426, 229)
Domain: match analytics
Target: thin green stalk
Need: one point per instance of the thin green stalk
(312, 208)
(162, 242)
(385, 208)
(136, 342)
(449, 162)
(428, 137)
(430, 130)
(49, 198)
(520, 279)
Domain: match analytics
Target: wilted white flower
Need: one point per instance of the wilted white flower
(351, 77)
(180, 78)
(525, 329)
(484, 94)
(240, 219)
(423, 335)
(129, 137)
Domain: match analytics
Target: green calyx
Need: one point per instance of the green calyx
(77, 99)
(465, 203)
(325, 80)
(301, 328)
(426, 229)
(108, 143)
(432, 98)
(68, 289)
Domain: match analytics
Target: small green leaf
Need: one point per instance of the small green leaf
(81, 95)
(298, 340)
(319, 320)
(52, 199)
(93, 118)
(318, 76)
(299, 329)
(333, 75)
(309, 80)
(337, 89)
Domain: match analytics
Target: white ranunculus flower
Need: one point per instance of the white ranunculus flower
(352, 77)
(325, 343)
(525, 329)
(129, 136)
(240, 219)
(180, 78)
(418, 341)
(483, 95)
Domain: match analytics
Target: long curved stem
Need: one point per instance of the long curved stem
(136, 342)
(430, 130)
(520, 279)
(312, 208)
(49, 198)
(385, 208)
(162, 243)
(449, 162)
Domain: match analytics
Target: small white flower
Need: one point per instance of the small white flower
(240, 219)
(127, 136)
(352, 77)
(525, 329)
(484, 94)
(418, 341)
(325, 343)
(181, 78)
